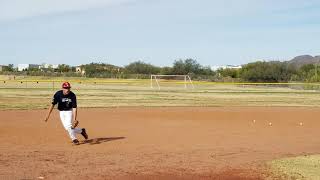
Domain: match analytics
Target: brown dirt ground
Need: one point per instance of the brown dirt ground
(156, 143)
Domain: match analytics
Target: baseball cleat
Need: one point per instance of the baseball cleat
(84, 133)
(75, 142)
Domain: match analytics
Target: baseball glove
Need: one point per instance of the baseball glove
(74, 124)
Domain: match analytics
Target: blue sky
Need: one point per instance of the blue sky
(214, 32)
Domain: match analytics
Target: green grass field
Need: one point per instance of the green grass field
(36, 93)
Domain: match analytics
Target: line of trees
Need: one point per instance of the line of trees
(274, 71)
(260, 71)
(140, 69)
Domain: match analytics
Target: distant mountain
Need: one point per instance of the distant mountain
(304, 59)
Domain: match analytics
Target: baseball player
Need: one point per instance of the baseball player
(67, 105)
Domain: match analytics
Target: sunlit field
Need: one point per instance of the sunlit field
(36, 93)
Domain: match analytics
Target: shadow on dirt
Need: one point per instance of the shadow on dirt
(101, 140)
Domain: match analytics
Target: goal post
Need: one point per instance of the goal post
(155, 79)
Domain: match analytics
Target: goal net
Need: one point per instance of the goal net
(160, 81)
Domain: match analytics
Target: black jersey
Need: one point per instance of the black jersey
(65, 102)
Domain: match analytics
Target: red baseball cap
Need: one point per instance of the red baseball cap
(66, 85)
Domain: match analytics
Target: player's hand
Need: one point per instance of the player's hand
(46, 119)
(74, 124)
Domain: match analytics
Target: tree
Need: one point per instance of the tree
(262, 71)
(206, 70)
(101, 70)
(228, 72)
(188, 66)
(309, 72)
(33, 69)
(140, 67)
(8, 68)
(166, 70)
(63, 68)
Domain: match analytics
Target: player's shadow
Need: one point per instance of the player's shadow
(101, 140)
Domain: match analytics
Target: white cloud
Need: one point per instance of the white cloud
(19, 9)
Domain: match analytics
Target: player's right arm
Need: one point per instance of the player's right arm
(49, 112)
(54, 102)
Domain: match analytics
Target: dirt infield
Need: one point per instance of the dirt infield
(156, 143)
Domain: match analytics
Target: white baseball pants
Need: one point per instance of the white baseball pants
(66, 119)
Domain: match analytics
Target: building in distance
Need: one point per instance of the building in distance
(214, 68)
(3, 67)
(24, 67)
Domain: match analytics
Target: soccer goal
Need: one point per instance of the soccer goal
(171, 80)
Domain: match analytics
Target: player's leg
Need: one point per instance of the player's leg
(77, 130)
(66, 119)
(81, 131)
